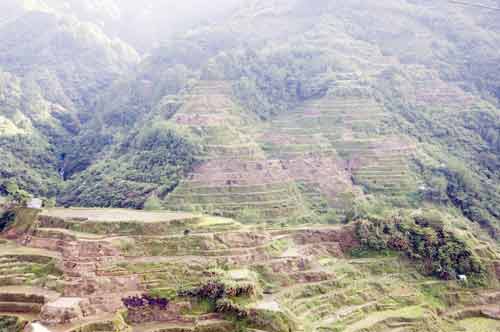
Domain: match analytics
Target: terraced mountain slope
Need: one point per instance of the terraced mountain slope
(278, 111)
(329, 168)
(290, 279)
(235, 176)
(299, 159)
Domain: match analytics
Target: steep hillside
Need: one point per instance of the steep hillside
(124, 270)
(319, 112)
(281, 111)
(281, 167)
(52, 68)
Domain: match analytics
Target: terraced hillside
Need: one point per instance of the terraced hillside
(278, 111)
(283, 279)
(288, 167)
(349, 126)
(306, 156)
(235, 176)
(332, 131)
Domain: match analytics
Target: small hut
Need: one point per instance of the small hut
(35, 203)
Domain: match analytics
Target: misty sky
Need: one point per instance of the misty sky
(143, 23)
(152, 23)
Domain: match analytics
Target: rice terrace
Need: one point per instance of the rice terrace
(249, 166)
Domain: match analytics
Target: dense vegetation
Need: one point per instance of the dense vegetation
(151, 161)
(83, 119)
(138, 302)
(51, 68)
(215, 290)
(11, 323)
(424, 240)
(339, 160)
(464, 146)
(227, 300)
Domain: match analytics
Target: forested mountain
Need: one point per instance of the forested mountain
(52, 68)
(274, 110)
(250, 165)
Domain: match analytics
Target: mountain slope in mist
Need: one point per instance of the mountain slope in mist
(315, 110)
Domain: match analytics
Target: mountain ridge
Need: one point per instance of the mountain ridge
(275, 167)
(385, 119)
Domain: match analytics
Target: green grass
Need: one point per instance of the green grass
(370, 253)
(405, 314)
(433, 294)
(478, 325)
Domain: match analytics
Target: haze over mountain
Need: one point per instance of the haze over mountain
(143, 24)
(332, 164)
(405, 112)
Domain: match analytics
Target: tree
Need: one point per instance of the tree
(152, 203)
(15, 194)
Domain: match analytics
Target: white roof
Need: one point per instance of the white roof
(35, 203)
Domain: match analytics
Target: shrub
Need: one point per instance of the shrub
(152, 203)
(442, 254)
(137, 302)
(215, 290)
(228, 307)
(212, 290)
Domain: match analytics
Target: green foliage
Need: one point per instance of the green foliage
(152, 203)
(49, 203)
(275, 79)
(153, 158)
(228, 307)
(44, 270)
(214, 290)
(249, 215)
(223, 299)
(166, 293)
(477, 203)
(28, 163)
(11, 324)
(367, 252)
(332, 216)
(462, 145)
(49, 81)
(273, 321)
(422, 239)
(15, 194)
